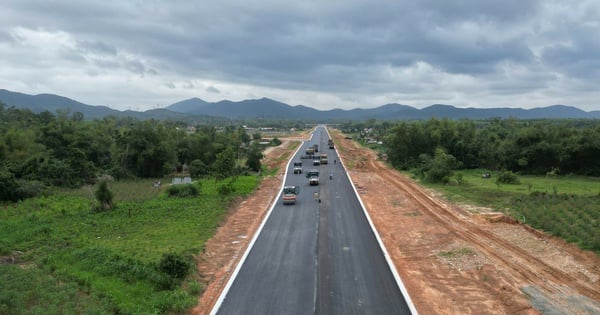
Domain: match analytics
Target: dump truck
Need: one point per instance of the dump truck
(289, 194)
(313, 177)
(323, 158)
(330, 143)
(297, 167)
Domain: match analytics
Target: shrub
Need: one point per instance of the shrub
(459, 178)
(439, 168)
(104, 196)
(174, 265)
(275, 142)
(183, 190)
(226, 189)
(507, 177)
(31, 188)
(8, 185)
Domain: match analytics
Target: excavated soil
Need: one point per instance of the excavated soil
(453, 259)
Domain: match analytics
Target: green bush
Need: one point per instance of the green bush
(183, 190)
(226, 189)
(459, 178)
(508, 177)
(104, 196)
(275, 142)
(439, 168)
(31, 188)
(8, 185)
(175, 265)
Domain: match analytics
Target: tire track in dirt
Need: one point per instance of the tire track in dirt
(529, 268)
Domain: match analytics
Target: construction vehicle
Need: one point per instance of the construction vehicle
(330, 143)
(289, 194)
(297, 167)
(313, 177)
(323, 158)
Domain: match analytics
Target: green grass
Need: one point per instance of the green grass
(102, 263)
(565, 206)
(456, 253)
(486, 192)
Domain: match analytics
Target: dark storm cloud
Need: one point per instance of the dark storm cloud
(342, 48)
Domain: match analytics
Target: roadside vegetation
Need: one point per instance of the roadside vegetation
(61, 257)
(89, 220)
(544, 173)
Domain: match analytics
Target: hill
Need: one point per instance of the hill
(265, 108)
(52, 103)
(268, 108)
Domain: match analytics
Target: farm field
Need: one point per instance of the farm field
(564, 206)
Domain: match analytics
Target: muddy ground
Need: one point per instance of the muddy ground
(453, 259)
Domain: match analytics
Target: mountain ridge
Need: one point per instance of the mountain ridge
(266, 108)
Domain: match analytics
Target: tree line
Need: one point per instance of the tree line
(62, 149)
(520, 146)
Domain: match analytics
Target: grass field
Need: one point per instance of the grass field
(565, 206)
(59, 257)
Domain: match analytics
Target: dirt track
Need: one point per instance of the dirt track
(452, 259)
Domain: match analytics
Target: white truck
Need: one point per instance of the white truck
(297, 167)
(313, 177)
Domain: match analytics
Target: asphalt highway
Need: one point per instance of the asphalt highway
(317, 256)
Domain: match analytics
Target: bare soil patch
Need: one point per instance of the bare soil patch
(452, 259)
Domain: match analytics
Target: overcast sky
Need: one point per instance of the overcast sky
(324, 54)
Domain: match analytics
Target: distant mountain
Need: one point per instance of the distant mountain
(268, 108)
(52, 103)
(195, 109)
(259, 108)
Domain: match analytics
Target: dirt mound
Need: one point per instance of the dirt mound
(497, 218)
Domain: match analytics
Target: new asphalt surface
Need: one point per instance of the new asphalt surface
(317, 256)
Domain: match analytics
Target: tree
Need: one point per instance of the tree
(198, 168)
(224, 166)
(440, 168)
(254, 156)
(146, 149)
(243, 136)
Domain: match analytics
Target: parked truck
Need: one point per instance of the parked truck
(330, 143)
(313, 177)
(297, 167)
(289, 194)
